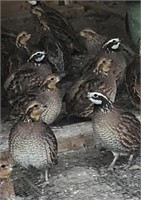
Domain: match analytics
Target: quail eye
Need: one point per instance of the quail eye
(95, 95)
(24, 35)
(35, 106)
(52, 79)
(3, 166)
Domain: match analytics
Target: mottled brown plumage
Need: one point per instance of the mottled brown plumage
(56, 22)
(118, 130)
(93, 41)
(28, 78)
(118, 60)
(48, 93)
(118, 53)
(32, 142)
(6, 186)
(101, 79)
(132, 78)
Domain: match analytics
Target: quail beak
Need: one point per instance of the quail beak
(62, 75)
(89, 95)
(82, 33)
(29, 36)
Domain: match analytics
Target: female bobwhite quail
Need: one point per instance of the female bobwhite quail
(132, 78)
(110, 50)
(56, 22)
(22, 40)
(6, 186)
(48, 94)
(28, 77)
(58, 53)
(32, 142)
(118, 130)
(45, 42)
(101, 80)
(92, 41)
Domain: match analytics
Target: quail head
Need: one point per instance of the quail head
(93, 41)
(132, 78)
(29, 77)
(32, 142)
(48, 93)
(111, 50)
(22, 39)
(101, 80)
(118, 130)
(56, 22)
(6, 186)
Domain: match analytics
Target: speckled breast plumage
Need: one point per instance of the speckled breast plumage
(29, 146)
(113, 133)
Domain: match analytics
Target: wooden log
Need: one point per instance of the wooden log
(69, 137)
(74, 136)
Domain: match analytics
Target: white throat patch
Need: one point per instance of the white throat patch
(33, 3)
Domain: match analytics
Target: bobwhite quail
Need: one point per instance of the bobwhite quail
(48, 93)
(56, 22)
(132, 78)
(6, 185)
(92, 41)
(101, 79)
(27, 77)
(118, 130)
(110, 50)
(32, 142)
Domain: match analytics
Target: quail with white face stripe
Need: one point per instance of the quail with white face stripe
(28, 77)
(101, 80)
(118, 130)
(37, 57)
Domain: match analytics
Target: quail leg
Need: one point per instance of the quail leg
(111, 166)
(44, 181)
(44, 177)
(129, 161)
(134, 167)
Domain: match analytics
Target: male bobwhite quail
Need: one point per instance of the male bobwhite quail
(118, 130)
(32, 142)
(132, 78)
(28, 77)
(45, 42)
(101, 80)
(6, 186)
(48, 93)
(110, 50)
(94, 42)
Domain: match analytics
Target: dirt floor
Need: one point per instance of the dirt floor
(82, 174)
